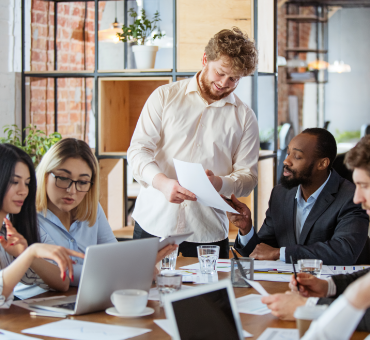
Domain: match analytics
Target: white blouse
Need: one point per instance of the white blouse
(4, 303)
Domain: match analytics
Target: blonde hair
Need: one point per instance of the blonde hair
(67, 148)
(240, 51)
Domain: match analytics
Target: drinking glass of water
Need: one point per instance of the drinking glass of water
(310, 266)
(168, 283)
(169, 262)
(208, 256)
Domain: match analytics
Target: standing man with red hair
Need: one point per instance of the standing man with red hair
(198, 120)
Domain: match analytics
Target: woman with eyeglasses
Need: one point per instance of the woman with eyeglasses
(67, 200)
(21, 253)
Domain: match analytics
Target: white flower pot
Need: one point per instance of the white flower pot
(145, 56)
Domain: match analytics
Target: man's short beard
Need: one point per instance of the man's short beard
(206, 86)
(303, 178)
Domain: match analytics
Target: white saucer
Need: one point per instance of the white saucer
(113, 311)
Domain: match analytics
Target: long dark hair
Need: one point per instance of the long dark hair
(26, 221)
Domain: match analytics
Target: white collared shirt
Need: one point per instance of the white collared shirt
(176, 122)
(338, 322)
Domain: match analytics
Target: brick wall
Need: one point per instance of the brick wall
(72, 55)
(290, 89)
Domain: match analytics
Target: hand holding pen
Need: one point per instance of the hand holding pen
(309, 285)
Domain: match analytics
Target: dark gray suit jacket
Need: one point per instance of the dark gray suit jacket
(335, 231)
(342, 282)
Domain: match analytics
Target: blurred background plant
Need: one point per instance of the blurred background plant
(36, 142)
(347, 136)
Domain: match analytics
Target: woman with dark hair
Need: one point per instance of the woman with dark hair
(21, 256)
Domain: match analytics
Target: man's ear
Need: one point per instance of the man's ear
(323, 164)
(204, 59)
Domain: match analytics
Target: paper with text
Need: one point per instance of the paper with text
(83, 330)
(192, 177)
(279, 334)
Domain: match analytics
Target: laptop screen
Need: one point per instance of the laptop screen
(206, 316)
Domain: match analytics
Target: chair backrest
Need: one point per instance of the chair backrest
(286, 135)
(365, 130)
(326, 124)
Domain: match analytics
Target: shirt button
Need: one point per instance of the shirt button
(184, 205)
(198, 145)
(72, 240)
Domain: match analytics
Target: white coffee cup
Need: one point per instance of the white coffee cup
(304, 316)
(129, 301)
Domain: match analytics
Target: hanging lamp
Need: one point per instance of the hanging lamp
(110, 34)
(339, 66)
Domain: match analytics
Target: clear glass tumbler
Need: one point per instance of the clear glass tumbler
(310, 266)
(208, 256)
(169, 262)
(168, 283)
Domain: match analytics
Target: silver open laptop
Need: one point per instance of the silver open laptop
(108, 267)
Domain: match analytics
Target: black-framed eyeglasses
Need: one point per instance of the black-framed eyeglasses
(65, 183)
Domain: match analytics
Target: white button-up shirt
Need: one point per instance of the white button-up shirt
(338, 322)
(176, 122)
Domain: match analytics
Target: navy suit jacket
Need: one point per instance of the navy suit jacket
(335, 230)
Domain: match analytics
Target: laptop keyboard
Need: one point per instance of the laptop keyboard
(70, 305)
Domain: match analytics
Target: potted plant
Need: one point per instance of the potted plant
(36, 142)
(140, 32)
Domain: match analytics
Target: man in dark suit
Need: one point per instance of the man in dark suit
(311, 213)
(316, 291)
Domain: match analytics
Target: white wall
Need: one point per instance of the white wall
(347, 96)
(10, 63)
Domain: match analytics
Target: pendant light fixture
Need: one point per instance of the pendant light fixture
(110, 34)
(339, 66)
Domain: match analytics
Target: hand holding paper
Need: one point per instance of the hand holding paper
(192, 177)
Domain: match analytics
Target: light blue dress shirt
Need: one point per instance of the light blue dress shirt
(79, 236)
(303, 210)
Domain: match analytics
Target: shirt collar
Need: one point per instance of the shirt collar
(313, 197)
(54, 219)
(193, 87)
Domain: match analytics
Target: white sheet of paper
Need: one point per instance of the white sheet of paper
(279, 334)
(271, 277)
(257, 286)
(23, 292)
(166, 325)
(83, 330)
(223, 265)
(25, 303)
(154, 294)
(6, 335)
(192, 177)
(251, 304)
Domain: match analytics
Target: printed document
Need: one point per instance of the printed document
(193, 177)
